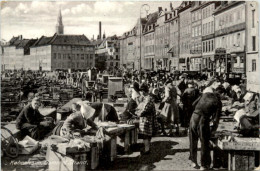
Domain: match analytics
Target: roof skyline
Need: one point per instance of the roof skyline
(32, 19)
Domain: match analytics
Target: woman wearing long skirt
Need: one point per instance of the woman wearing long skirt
(170, 109)
(147, 113)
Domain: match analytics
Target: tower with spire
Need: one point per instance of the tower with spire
(59, 26)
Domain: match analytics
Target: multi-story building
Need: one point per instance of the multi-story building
(109, 49)
(174, 40)
(162, 36)
(61, 52)
(127, 49)
(252, 49)
(14, 53)
(230, 37)
(208, 30)
(132, 46)
(196, 49)
(185, 35)
(149, 41)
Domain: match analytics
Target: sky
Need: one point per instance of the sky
(32, 19)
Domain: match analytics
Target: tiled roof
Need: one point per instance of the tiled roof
(13, 40)
(152, 19)
(70, 40)
(22, 43)
(63, 40)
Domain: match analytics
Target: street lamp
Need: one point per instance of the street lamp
(146, 9)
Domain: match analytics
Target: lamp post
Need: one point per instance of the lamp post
(140, 60)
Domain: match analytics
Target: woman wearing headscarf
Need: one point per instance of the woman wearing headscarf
(129, 114)
(170, 109)
(147, 114)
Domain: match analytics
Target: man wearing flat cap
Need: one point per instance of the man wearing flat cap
(31, 122)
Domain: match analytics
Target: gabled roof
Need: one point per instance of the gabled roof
(151, 19)
(22, 43)
(13, 40)
(63, 40)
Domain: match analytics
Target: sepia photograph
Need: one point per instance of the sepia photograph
(129, 85)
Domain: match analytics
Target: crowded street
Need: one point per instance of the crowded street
(178, 91)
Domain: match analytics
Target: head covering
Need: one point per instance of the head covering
(168, 81)
(208, 90)
(190, 84)
(135, 86)
(155, 91)
(144, 87)
(86, 110)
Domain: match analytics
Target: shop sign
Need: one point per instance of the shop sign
(220, 51)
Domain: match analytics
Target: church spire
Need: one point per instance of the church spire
(59, 26)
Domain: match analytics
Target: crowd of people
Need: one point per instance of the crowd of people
(158, 104)
(194, 104)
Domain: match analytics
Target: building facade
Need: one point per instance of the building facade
(149, 41)
(174, 40)
(185, 35)
(109, 50)
(252, 49)
(162, 40)
(208, 37)
(230, 34)
(59, 52)
(196, 37)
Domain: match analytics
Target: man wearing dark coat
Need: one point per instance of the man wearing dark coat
(104, 112)
(208, 109)
(31, 122)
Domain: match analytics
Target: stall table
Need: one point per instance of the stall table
(241, 152)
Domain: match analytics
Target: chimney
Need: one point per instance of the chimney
(159, 9)
(20, 37)
(171, 6)
(100, 30)
(165, 9)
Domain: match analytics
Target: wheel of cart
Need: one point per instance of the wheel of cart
(9, 144)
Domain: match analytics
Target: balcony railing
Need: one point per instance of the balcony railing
(195, 51)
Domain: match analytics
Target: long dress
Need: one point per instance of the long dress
(146, 111)
(170, 109)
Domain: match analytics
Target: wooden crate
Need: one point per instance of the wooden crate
(241, 160)
(114, 84)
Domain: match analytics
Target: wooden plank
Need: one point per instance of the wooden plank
(94, 157)
(240, 143)
(230, 160)
(113, 148)
(127, 141)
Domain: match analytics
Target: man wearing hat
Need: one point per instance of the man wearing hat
(31, 122)
(188, 97)
(183, 83)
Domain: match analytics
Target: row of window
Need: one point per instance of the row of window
(230, 18)
(196, 16)
(207, 11)
(208, 46)
(149, 37)
(196, 47)
(73, 56)
(196, 31)
(79, 48)
(149, 49)
(208, 28)
(72, 65)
